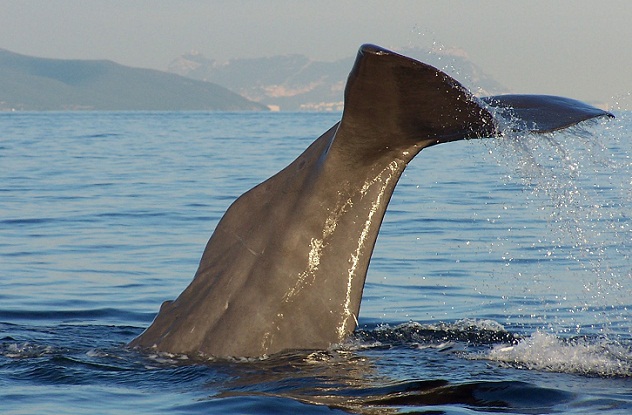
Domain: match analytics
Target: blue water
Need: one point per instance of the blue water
(501, 280)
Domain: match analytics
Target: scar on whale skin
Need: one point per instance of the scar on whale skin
(286, 265)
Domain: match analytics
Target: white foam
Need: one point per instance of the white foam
(542, 351)
(24, 350)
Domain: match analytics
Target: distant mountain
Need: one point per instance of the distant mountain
(297, 83)
(29, 83)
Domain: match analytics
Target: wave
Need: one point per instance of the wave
(76, 315)
(489, 340)
(440, 365)
(469, 339)
(476, 332)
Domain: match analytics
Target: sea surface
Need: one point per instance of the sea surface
(501, 281)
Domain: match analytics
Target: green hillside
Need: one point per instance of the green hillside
(38, 84)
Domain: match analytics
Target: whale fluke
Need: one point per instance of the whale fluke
(286, 265)
(542, 113)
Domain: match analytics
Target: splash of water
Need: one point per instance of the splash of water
(579, 181)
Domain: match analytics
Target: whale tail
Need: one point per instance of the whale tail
(394, 101)
(286, 265)
(542, 113)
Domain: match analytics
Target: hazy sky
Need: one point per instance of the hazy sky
(581, 49)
